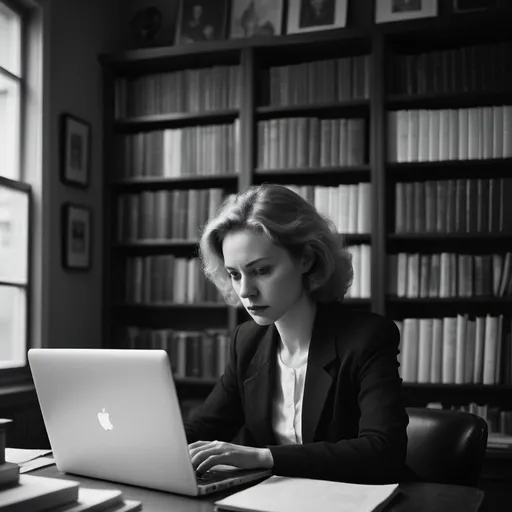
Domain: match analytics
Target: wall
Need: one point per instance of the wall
(75, 32)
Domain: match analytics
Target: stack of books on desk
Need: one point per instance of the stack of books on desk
(38, 493)
(21, 493)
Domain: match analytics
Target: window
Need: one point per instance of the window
(15, 196)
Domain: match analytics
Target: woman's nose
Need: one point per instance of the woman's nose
(247, 288)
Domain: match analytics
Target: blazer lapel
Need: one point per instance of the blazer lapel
(322, 350)
(259, 389)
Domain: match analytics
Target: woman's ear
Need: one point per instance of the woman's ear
(307, 260)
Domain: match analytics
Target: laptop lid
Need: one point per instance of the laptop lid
(114, 415)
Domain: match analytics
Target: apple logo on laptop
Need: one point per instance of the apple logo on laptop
(104, 419)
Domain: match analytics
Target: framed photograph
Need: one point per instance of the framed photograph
(76, 236)
(400, 10)
(202, 20)
(473, 5)
(149, 23)
(75, 151)
(251, 18)
(313, 15)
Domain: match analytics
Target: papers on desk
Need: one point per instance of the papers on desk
(18, 456)
(285, 494)
(28, 460)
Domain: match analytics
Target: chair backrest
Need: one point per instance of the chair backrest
(446, 446)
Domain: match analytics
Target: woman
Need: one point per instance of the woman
(312, 388)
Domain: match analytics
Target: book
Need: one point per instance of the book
(37, 493)
(99, 500)
(9, 474)
(286, 494)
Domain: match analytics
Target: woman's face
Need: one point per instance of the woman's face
(263, 275)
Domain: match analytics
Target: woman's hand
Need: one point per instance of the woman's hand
(206, 454)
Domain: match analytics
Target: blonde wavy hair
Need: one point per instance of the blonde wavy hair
(290, 222)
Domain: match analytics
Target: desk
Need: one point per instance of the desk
(414, 497)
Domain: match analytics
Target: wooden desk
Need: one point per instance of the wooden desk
(414, 497)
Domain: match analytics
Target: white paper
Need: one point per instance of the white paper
(40, 462)
(285, 494)
(19, 456)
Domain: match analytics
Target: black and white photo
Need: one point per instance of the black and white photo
(313, 15)
(76, 236)
(251, 18)
(202, 20)
(75, 139)
(401, 10)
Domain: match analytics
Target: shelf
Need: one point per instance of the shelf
(448, 100)
(314, 108)
(163, 244)
(448, 169)
(356, 238)
(474, 237)
(232, 46)
(312, 175)
(451, 300)
(400, 307)
(196, 181)
(418, 394)
(180, 118)
(173, 306)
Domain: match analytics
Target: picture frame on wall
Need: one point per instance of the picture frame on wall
(202, 20)
(76, 236)
(250, 18)
(473, 5)
(314, 15)
(75, 151)
(400, 10)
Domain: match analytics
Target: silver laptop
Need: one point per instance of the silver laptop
(114, 415)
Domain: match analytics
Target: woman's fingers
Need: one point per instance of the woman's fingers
(211, 461)
(201, 453)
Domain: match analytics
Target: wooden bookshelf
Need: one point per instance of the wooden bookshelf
(257, 59)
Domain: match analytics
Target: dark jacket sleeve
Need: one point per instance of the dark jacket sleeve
(377, 454)
(221, 415)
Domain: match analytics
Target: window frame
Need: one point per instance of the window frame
(21, 374)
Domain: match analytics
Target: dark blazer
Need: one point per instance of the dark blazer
(353, 415)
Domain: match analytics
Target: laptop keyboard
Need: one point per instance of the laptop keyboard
(212, 476)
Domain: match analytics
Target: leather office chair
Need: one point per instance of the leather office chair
(446, 447)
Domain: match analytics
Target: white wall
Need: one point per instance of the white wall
(75, 33)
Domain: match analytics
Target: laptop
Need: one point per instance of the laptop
(114, 415)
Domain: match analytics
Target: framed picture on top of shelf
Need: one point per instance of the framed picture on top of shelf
(473, 5)
(76, 236)
(202, 20)
(149, 22)
(251, 18)
(75, 141)
(401, 10)
(313, 15)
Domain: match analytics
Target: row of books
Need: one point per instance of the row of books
(499, 420)
(347, 206)
(207, 150)
(450, 275)
(163, 280)
(321, 81)
(311, 142)
(189, 90)
(199, 354)
(362, 264)
(166, 214)
(469, 68)
(454, 206)
(476, 133)
(456, 350)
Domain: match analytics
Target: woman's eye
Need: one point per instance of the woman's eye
(261, 271)
(235, 277)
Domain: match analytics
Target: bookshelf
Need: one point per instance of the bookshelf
(341, 140)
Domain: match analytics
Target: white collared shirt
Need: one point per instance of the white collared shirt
(287, 402)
